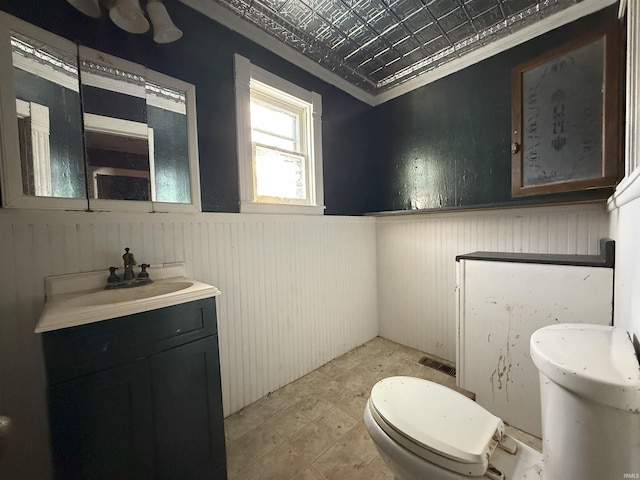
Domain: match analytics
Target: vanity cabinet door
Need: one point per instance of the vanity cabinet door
(138, 397)
(102, 425)
(187, 411)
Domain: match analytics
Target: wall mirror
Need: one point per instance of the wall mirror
(168, 138)
(41, 123)
(116, 132)
(48, 116)
(85, 130)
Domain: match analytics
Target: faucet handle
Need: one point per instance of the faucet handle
(143, 273)
(113, 278)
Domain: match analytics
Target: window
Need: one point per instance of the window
(279, 143)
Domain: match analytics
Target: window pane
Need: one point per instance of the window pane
(273, 141)
(271, 120)
(280, 174)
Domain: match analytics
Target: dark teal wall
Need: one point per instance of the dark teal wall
(204, 57)
(447, 144)
(444, 145)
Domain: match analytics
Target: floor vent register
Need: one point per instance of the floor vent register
(438, 365)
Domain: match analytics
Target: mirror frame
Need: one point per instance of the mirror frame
(10, 166)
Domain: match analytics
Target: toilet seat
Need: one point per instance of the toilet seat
(436, 423)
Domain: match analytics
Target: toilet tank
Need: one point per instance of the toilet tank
(590, 392)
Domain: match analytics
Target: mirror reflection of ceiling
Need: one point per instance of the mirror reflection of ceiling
(378, 44)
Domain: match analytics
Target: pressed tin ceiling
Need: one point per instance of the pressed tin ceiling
(378, 44)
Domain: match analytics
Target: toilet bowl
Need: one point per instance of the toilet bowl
(590, 387)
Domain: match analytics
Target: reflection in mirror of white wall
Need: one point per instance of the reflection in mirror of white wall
(112, 79)
(166, 98)
(116, 135)
(40, 154)
(54, 65)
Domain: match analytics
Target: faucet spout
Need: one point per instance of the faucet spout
(129, 262)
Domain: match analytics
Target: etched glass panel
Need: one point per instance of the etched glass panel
(561, 118)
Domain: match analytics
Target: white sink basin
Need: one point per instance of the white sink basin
(66, 308)
(119, 295)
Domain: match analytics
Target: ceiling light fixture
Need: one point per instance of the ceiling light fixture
(129, 16)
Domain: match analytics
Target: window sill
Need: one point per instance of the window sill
(281, 208)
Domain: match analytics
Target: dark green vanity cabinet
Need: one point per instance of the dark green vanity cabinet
(138, 397)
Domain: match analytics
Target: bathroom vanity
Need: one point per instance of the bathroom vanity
(137, 396)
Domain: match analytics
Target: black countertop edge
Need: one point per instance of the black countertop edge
(606, 259)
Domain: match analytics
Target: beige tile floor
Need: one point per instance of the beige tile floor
(312, 429)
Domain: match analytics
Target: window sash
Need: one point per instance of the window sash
(277, 100)
(302, 197)
(293, 134)
(289, 144)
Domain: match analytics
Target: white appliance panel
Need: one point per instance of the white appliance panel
(500, 305)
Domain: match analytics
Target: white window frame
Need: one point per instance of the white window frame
(245, 72)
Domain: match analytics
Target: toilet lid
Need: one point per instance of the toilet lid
(436, 423)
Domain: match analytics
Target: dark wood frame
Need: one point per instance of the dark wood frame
(611, 118)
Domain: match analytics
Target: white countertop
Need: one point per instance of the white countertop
(67, 306)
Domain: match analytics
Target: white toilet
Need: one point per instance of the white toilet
(590, 388)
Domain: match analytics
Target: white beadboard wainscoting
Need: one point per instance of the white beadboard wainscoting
(417, 268)
(297, 291)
